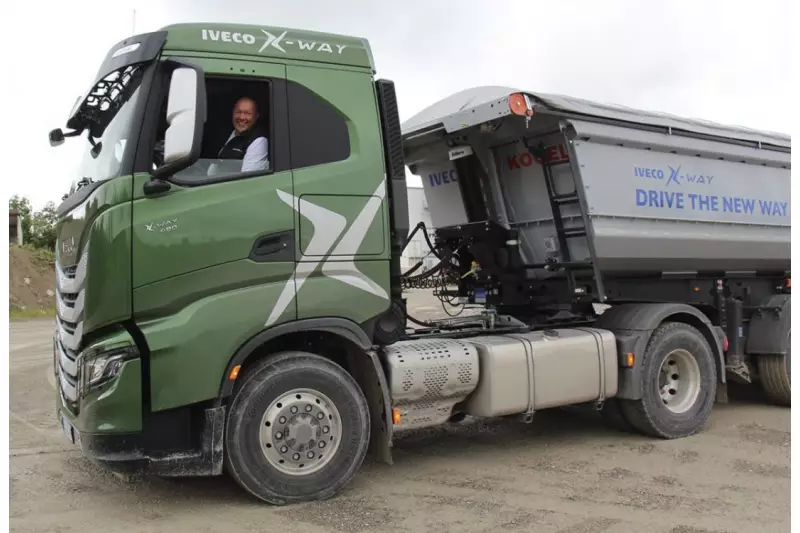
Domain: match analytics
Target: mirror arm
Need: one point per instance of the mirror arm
(155, 186)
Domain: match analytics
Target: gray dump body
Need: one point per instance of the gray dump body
(661, 193)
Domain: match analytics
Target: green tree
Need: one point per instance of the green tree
(43, 227)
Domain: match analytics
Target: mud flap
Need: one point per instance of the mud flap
(769, 327)
(372, 381)
(207, 461)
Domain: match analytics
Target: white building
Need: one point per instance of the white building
(418, 249)
(14, 227)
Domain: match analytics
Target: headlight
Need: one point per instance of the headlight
(101, 367)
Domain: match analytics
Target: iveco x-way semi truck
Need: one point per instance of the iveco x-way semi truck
(224, 313)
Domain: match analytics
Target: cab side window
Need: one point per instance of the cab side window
(318, 132)
(258, 126)
(239, 137)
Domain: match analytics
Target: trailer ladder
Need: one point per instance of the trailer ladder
(557, 201)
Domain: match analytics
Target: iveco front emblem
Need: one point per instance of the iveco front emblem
(68, 245)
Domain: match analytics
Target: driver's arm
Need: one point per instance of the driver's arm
(256, 157)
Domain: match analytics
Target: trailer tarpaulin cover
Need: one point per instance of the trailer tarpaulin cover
(435, 115)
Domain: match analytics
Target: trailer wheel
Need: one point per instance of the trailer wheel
(297, 429)
(679, 384)
(776, 375)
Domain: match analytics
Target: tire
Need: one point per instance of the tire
(687, 403)
(776, 375)
(264, 435)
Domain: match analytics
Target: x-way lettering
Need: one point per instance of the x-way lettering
(672, 176)
(271, 41)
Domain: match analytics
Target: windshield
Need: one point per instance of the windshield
(113, 115)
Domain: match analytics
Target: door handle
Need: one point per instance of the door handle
(274, 247)
(269, 245)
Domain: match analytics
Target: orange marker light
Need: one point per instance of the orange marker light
(234, 372)
(519, 105)
(395, 416)
(629, 360)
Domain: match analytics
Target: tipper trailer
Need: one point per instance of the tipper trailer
(218, 317)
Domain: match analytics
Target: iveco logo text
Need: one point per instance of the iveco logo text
(674, 175)
(438, 178)
(271, 41)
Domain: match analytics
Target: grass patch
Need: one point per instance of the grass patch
(41, 257)
(23, 314)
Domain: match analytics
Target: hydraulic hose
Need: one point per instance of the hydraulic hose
(419, 322)
(431, 247)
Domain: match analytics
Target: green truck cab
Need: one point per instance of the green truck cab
(177, 271)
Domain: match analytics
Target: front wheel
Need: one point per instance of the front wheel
(679, 383)
(298, 429)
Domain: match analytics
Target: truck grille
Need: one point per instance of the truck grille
(69, 375)
(69, 310)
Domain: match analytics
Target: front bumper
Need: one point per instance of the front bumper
(106, 421)
(130, 453)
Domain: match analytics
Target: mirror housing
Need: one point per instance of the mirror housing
(186, 116)
(56, 137)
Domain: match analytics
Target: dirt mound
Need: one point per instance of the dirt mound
(32, 279)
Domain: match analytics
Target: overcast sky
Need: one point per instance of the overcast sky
(719, 60)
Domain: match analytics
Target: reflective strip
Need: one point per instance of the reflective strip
(74, 284)
(70, 314)
(67, 364)
(70, 391)
(71, 341)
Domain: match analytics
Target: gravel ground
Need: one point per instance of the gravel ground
(563, 473)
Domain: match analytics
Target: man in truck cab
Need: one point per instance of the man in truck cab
(247, 141)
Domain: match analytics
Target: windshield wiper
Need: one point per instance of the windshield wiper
(83, 182)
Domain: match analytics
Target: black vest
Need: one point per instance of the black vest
(237, 146)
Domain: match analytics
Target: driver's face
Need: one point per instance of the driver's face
(244, 115)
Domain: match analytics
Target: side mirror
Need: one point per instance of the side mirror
(181, 115)
(56, 137)
(186, 115)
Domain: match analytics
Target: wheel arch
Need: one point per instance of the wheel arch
(633, 325)
(292, 335)
(340, 340)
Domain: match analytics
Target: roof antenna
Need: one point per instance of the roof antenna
(133, 30)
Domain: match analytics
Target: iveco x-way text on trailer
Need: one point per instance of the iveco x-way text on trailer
(212, 320)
